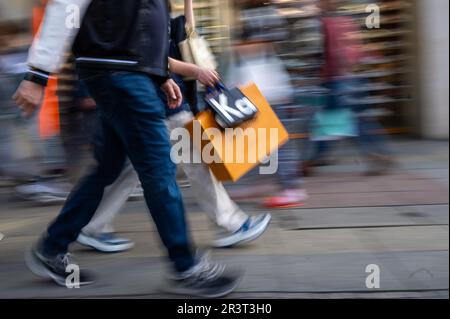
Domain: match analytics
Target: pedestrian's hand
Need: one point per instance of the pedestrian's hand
(28, 97)
(207, 77)
(173, 93)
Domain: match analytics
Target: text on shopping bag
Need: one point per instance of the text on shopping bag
(231, 106)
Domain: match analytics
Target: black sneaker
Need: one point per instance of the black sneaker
(205, 280)
(56, 268)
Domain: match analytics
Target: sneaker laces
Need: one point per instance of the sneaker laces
(210, 271)
(65, 259)
(205, 270)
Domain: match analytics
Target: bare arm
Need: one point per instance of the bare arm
(204, 76)
(189, 13)
(183, 68)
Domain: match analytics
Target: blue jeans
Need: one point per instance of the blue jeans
(372, 140)
(131, 124)
(289, 157)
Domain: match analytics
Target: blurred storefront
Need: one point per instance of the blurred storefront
(431, 118)
(15, 24)
(213, 19)
(15, 10)
(406, 71)
(406, 66)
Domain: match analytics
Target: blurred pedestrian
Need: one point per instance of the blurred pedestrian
(122, 74)
(338, 119)
(76, 123)
(50, 187)
(16, 148)
(210, 194)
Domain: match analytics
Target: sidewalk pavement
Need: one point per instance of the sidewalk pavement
(398, 222)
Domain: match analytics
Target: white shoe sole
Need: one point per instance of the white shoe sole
(42, 198)
(34, 265)
(250, 235)
(97, 245)
(39, 270)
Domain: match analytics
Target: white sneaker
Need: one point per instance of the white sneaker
(106, 242)
(2, 236)
(252, 229)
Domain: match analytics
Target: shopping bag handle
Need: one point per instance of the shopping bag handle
(218, 87)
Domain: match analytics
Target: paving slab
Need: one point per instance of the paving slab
(415, 271)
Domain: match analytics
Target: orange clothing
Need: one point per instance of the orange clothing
(48, 120)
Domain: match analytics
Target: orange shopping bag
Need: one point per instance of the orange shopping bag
(238, 150)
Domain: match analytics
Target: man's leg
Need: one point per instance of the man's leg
(138, 118)
(292, 193)
(374, 144)
(49, 257)
(87, 195)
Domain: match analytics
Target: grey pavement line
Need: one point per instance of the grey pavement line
(306, 228)
(367, 206)
(384, 206)
(372, 192)
(257, 203)
(260, 292)
(382, 193)
(418, 169)
(364, 227)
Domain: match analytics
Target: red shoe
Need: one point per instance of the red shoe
(289, 198)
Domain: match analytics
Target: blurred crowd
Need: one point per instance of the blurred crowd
(45, 154)
(86, 114)
(107, 108)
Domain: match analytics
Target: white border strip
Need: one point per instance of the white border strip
(39, 73)
(106, 61)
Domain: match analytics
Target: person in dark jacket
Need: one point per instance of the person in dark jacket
(121, 49)
(236, 226)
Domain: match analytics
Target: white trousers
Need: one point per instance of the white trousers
(210, 194)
